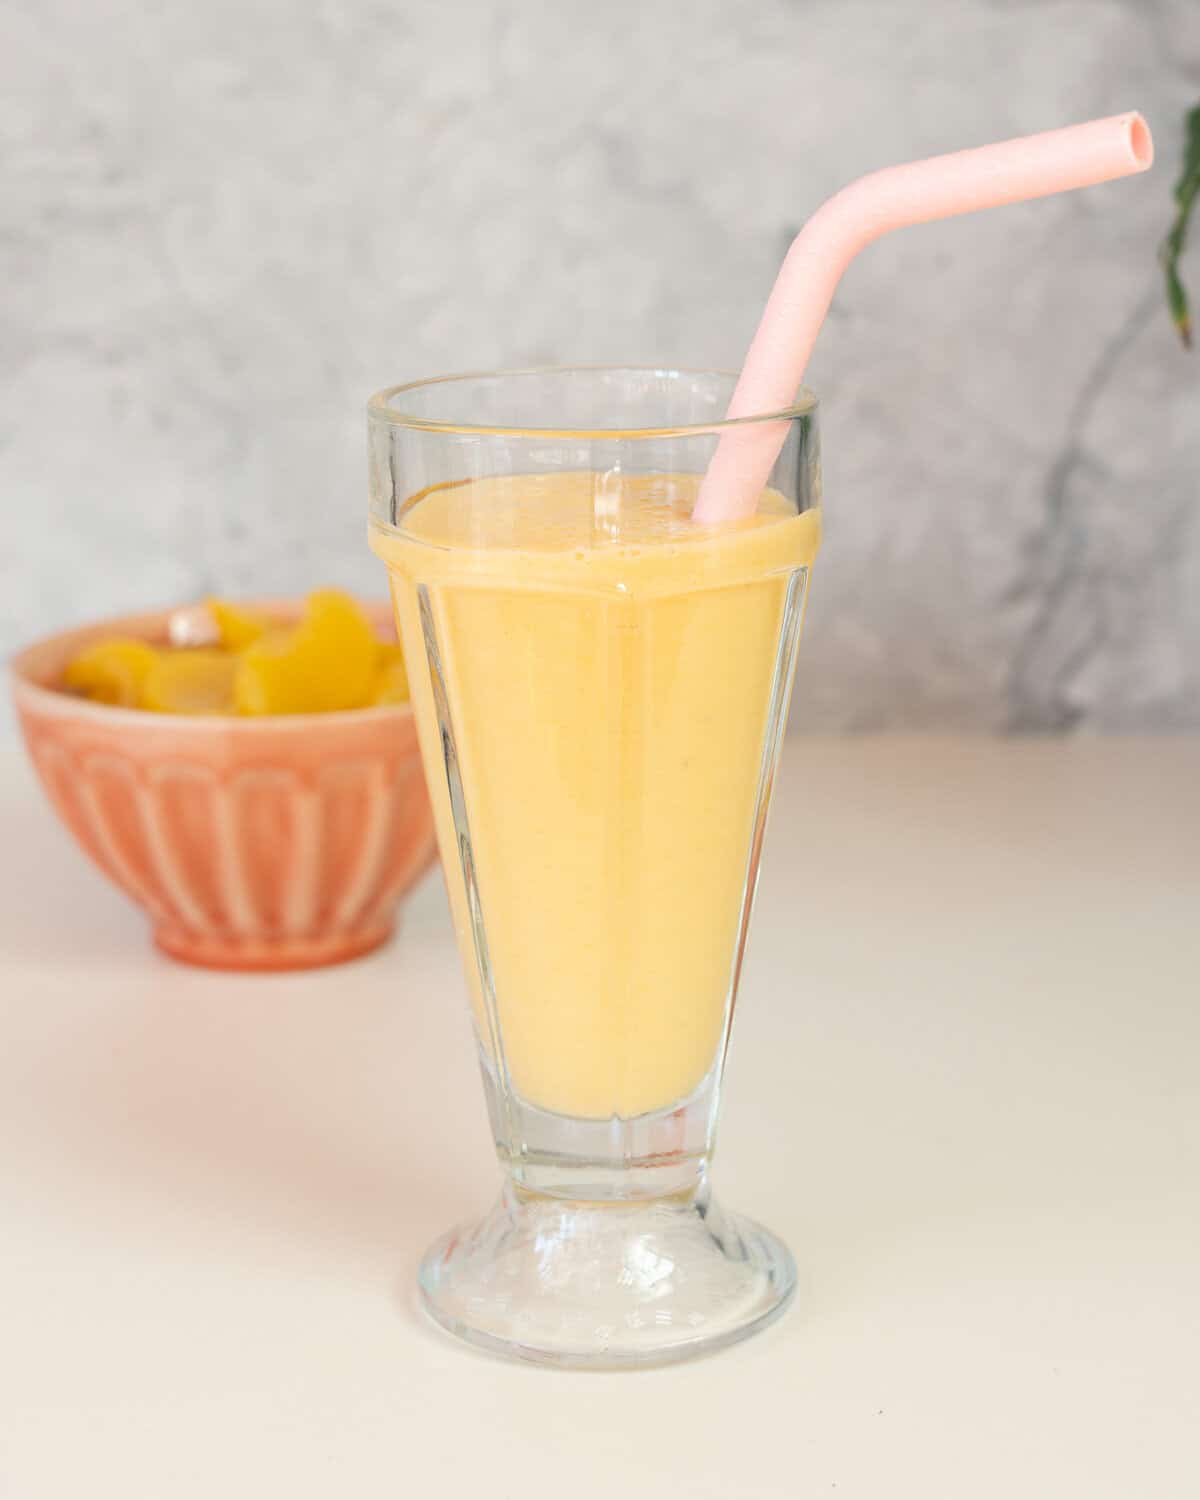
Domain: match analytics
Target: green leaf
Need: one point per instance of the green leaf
(1186, 191)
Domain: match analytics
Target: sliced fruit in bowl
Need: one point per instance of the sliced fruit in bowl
(280, 838)
(224, 658)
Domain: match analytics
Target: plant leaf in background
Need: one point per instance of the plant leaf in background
(1186, 190)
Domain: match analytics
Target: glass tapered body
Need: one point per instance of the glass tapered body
(601, 689)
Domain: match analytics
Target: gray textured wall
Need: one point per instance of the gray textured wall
(226, 221)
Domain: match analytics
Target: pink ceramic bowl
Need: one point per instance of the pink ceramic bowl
(272, 843)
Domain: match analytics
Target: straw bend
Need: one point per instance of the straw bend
(940, 187)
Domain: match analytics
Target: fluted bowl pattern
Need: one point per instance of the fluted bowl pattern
(267, 843)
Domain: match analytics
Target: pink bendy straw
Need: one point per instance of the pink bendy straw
(1032, 166)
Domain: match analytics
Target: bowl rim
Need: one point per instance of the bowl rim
(51, 700)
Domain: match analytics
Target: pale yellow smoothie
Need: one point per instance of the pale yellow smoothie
(605, 673)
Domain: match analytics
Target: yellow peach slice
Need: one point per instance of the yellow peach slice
(111, 671)
(190, 682)
(326, 662)
(237, 626)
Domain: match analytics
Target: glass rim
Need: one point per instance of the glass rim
(379, 407)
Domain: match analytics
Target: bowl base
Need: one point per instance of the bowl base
(264, 955)
(606, 1285)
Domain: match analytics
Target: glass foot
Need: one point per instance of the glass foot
(595, 1285)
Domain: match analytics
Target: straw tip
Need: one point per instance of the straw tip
(1139, 140)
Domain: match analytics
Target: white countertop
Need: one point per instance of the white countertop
(964, 1086)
